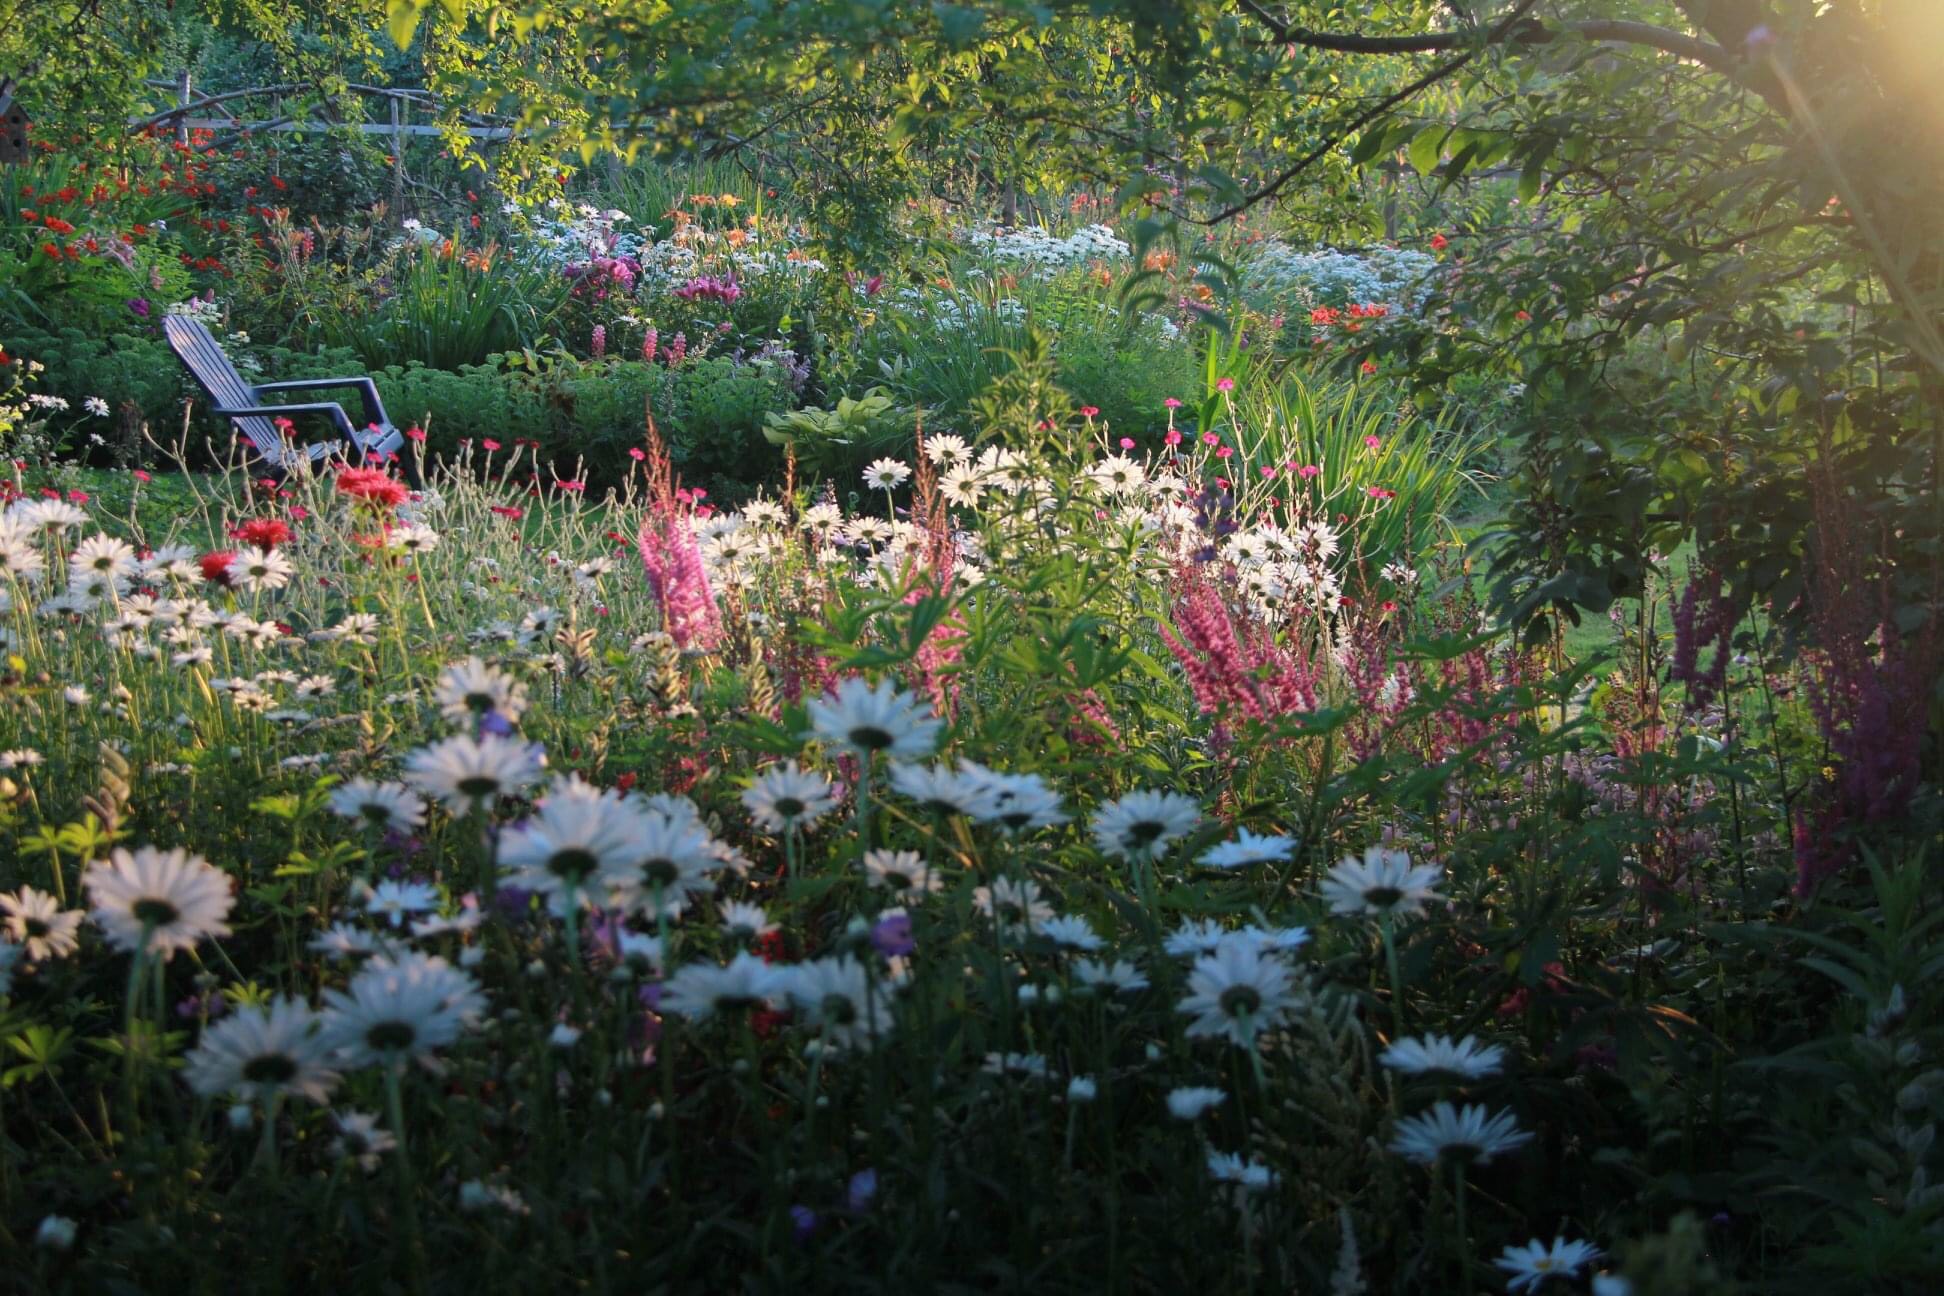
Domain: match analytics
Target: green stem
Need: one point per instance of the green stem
(1385, 926)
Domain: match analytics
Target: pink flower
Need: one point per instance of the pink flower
(1211, 438)
(1088, 411)
(1225, 385)
(490, 444)
(1171, 403)
(637, 454)
(141, 476)
(1372, 442)
(1127, 443)
(1223, 452)
(1173, 438)
(1268, 470)
(415, 433)
(1307, 471)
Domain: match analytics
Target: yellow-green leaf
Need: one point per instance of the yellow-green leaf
(402, 20)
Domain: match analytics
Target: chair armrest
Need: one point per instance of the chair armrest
(332, 408)
(374, 408)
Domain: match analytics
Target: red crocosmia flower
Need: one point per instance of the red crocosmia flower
(1439, 242)
(216, 566)
(58, 226)
(1390, 605)
(264, 533)
(625, 781)
(371, 486)
(1088, 411)
(1523, 316)
(1369, 366)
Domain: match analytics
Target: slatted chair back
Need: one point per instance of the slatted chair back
(190, 339)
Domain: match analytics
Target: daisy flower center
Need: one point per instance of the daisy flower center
(391, 1036)
(152, 911)
(790, 807)
(1383, 897)
(573, 863)
(839, 1010)
(870, 738)
(271, 1069)
(478, 785)
(1241, 1001)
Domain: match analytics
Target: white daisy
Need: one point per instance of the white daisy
(1142, 825)
(463, 772)
(471, 688)
(1012, 903)
(580, 842)
(1384, 882)
(1465, 1134)
(393, 901)
(1190, 1102)
(1237, 992)
(1250, 1176)
(1118, 977)
(786, 795)
(360, 1139)
(838, 998)
(400, 1009)
(36, 922)
(1247, 851)
(862, 718)
(1070, 931)
(1440, 1054)
(1532, 1264)
(158, 901)
(262, 1051)
(886, 474)
(703, 990)
(902, 872)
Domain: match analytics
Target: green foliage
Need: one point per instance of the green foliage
(835, 444)
(445, 309)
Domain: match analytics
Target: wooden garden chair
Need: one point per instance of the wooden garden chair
(246, 406)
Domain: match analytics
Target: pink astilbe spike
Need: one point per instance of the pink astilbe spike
(672, 557)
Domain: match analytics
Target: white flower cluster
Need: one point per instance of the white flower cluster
(1396, 278)
(1041, 251)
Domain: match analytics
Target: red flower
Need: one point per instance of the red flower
(58, 226)
(264, 533)
(1439, 242)
(415, 433)
(371, 486)
(1088, 411)
(216, 566)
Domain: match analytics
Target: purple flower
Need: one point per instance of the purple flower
(803, 1222)
(891, 936)
(862, 1191)
(140, 306)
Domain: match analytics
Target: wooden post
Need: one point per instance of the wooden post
(182, 101)
(398, 159)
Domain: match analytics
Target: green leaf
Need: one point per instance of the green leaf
(402, 20)
(1426, 147)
